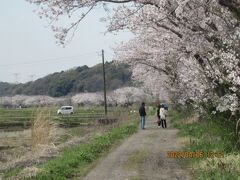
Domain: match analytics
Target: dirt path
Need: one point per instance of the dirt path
(143, 156)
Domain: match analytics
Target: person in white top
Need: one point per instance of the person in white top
(163, 116)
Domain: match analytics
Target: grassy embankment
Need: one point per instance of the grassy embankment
(221, 157)
(78, 160)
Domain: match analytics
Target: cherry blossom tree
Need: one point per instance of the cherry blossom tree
(199, 35)
(192, 44)
(28, 101)
(128, 95)
(88, 99)
(119, 96)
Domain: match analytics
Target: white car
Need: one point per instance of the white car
(65, 110)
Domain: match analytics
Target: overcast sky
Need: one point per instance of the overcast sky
(28, 48)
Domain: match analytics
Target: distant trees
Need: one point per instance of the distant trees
(87, 99)
(80, 79)
(29, 101)
(130, 95)
(121, 96)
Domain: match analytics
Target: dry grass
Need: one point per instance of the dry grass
(192, 119)
(184, 140)
(44, 131)
(120, 117)
(229, 163)
(26, 173)
(44, 154)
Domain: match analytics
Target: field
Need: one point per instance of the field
(10, 118)
(16, 129)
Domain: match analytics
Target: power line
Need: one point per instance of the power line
(49, 59)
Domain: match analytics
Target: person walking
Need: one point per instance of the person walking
(142, 114)
(163, 116)
(158, 115)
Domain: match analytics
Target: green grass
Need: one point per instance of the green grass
(77, 160)
(82, 116)
(208, 136)
(12, 173)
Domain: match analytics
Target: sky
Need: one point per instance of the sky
(28, 49)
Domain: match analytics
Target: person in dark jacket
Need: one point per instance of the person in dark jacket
(158, 115)
(142, 114)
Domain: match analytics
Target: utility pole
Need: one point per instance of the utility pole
(104, 83)
(31, 77)
(16, 77)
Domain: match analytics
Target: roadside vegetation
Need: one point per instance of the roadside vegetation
(215, 138)
(77, 161)
(61, 153)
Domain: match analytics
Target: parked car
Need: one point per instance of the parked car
(65, 110)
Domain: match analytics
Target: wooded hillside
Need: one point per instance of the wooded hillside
(80, 79)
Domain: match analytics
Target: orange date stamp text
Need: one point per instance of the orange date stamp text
(194, 154)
